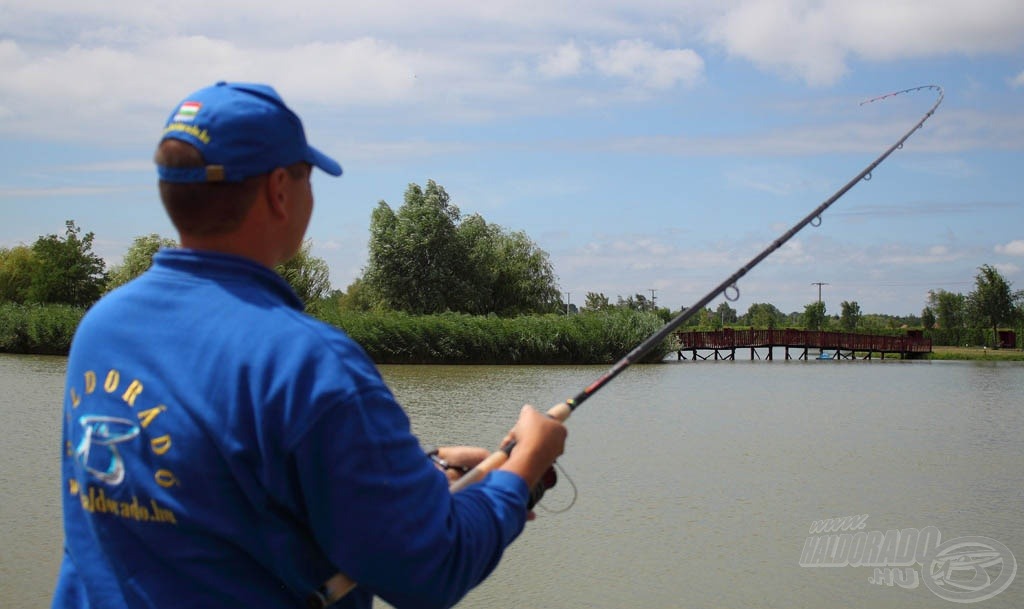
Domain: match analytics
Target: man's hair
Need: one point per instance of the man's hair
(204, 208)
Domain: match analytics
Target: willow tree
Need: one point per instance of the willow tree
(309, 276)
(137, 259)
(416, 260)
(425, 258)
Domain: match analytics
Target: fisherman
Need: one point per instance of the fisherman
(223, 449)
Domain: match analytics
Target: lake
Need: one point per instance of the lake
(693, 484)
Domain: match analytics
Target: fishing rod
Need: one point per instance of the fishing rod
(340, 585)
(728, 288)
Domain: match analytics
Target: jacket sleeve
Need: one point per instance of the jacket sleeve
(383, 514)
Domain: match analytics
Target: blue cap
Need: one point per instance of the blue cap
(242, 130)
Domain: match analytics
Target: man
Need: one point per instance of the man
(221, 448)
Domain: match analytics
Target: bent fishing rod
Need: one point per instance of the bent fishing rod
(339, 585)
(728, 288)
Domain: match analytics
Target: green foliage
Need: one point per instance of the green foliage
(991, 302)
(137, 259)
(950, 316)
(763, 316)
(425, 258)
(33, 328)
(850, 317)
(814, 316)
(417, 264)
(455, 338)
(637, 302)
(596, 302)
(308, 275)
(928, 318)
(726, 314)
(66, 270)
(16, 267)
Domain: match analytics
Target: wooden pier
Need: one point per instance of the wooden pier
(828, 345)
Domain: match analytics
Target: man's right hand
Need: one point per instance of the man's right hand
(539, 441)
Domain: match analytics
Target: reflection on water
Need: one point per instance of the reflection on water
(697, 482)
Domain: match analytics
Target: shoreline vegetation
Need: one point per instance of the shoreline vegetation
(975, 354)
(448, 338)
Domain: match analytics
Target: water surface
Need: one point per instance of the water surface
(695, 482)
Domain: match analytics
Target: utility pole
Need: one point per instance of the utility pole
(819, 284)
(653, 298)
(568, 299)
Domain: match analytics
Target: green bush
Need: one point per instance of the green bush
(399, 338)
(453, 338)
(45, 329)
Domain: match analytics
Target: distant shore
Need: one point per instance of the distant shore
(976, 353)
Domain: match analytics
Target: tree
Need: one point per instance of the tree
(764, 316)
(354, 298)
(308, 275)
(66, 270)
(16, 267)
(416, 260)
(637, 302)
(507, 273)
(850, 316)
(596, 302)
(726, 314)
(991, 302)
(137, 259)
(928, 318)
(425, 258)
(950, 313)
(814, 316)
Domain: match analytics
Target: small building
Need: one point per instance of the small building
(1007, 339)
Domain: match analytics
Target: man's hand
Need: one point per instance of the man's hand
(539, 441)
(460, 459)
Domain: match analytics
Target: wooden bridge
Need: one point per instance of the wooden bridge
(827, 345)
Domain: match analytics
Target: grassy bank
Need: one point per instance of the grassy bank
(976, 353)
(451, 338)
(397, 338)
(42, 329)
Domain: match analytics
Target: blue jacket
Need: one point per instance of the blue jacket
(223, 449)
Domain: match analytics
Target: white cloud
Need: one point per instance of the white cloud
(1013, 248)
(566, 60)
(1017, 81)
(72, 69)
(642, 63)
(815, 40)
(78, 90)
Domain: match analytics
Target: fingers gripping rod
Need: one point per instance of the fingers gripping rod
(339, 585)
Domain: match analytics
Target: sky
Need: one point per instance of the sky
(649, 147)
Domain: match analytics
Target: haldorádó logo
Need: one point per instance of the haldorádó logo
(961, 570)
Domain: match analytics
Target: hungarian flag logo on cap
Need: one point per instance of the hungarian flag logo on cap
(187, 111)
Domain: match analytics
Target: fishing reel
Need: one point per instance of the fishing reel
(547, 481)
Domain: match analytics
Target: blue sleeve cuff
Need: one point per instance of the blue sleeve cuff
(509, 482)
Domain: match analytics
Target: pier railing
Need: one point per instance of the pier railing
(731, 339)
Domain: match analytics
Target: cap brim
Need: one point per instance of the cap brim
(324, 162)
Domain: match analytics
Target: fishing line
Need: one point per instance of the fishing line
(339, 585)
(575, 493)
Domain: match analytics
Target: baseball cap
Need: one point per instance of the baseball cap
(242, 130)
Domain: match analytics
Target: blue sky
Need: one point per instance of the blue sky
(645, 145)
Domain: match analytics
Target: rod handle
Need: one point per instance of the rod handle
(559, 412)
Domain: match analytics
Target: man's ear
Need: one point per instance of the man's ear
(277, 193)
